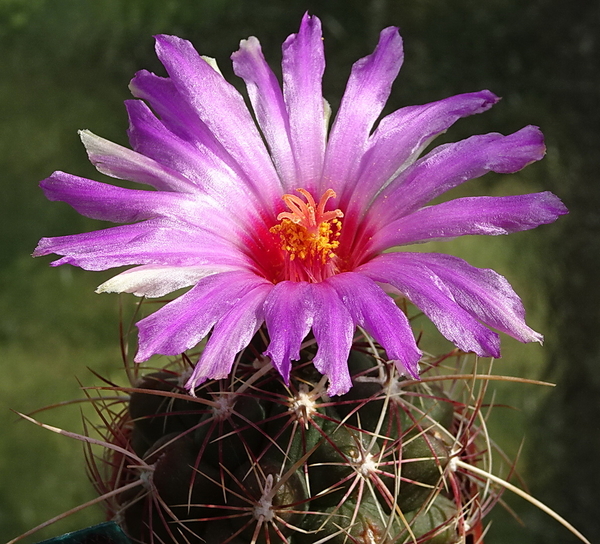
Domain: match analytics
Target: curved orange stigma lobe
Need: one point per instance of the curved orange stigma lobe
(309, 236)
(309, 214)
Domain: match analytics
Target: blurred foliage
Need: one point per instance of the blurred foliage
(65, 65)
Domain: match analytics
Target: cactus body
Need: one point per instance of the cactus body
(251, 459)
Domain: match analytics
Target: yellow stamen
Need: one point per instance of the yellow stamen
(307, 232)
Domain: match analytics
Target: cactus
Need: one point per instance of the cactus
(251, 459)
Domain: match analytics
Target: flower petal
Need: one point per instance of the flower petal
(375, 311)
(156, 241)
(197, 163)
(267, 100)
(480, 291)
(428, 292)
(183, 323)
(231, 334)
(110, 203)
(119, 162)
(303, 65)
(174, 111)
(219, 105)
(487, 215)
(401, 137)
(449, 165)
(333, 328)
(366, 93)
(157, 281)
(288, 315)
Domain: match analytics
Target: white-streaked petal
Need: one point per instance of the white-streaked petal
(213, 63)
(119, 162)
(302, 66)
(366, 93)
(222, 108)
(266, 98)
(157, 281)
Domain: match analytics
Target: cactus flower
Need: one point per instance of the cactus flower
(274, 219)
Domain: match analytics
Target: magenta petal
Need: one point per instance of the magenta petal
(156, 241)
(149, 137)
(366, 93)
(375, 311)
(180, 118)
(111, 203)
(288, 316)
(483, 293)
(401, 137)
(333, 328)
(174, 111)
(303, 65)
(428, 292)
(449, 165)
(181, 324)
(267, 100)
(219, 105)
(487, 215)
(198, 163)
(231, 334)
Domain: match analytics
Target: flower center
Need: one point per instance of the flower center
(308, 237)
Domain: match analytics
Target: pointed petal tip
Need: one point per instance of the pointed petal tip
(39, 249)
(165, 42)
(307, 18)
(193, 382)
(533, 136)
(197, 379)
(490, 350)
(338, 389)
(390, 35)
(282, 365)
(140, 356)
(535, 337)
(47, 183)
(134, 87)
(43, 248)
(95, 145)
(557, 206)
(409, 367)
(165, 38)
(489, 97)
(86, 135)
(308, 24)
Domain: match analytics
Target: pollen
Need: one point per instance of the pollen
(308, 235)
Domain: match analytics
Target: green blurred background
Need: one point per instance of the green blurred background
(65, 65)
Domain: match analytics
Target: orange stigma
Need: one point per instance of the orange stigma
(309, 236)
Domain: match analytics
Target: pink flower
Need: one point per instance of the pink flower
(291, 234)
